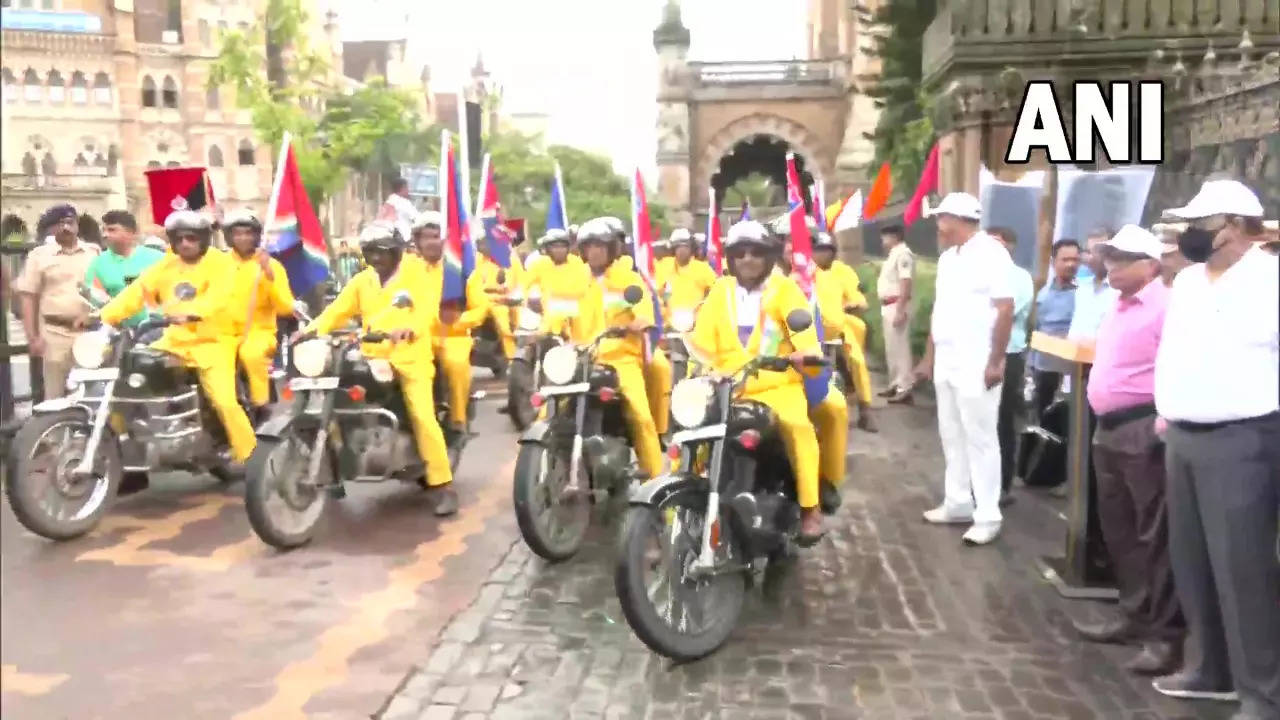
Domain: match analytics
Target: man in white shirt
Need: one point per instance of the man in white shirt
(404, 210)
(1094, 295)
(1216, 387)
(972, 319)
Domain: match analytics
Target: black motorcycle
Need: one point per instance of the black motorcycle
(345, 422)
(526, 367)
(130, 410)
(693, 539)
(579, 455)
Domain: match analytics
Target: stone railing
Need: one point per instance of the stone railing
(767, 72)
(981, 34)
(84, 179)
(56, 43)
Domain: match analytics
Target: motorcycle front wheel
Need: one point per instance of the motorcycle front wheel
(283, 509)
(519, 394)
(552, 524)
(46, 497)
(681, 617)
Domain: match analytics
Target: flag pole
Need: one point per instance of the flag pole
(482, 189)
(464, 162)
(564, 213)
(444, 178)
(273, 203)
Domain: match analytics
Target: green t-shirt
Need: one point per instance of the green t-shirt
(113, 272)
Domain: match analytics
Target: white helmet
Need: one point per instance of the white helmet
(428, 218)
(748, 232)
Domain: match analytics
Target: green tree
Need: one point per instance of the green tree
(375, 128)
(756, 189)
(904, 132)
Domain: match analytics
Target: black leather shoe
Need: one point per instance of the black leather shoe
(888, 392)
(1113, 632)
(828, 498)
(446, 500)
(1157, 658)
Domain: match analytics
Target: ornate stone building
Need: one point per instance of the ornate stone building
(719, 121)
(95, 92)
(1220, 60)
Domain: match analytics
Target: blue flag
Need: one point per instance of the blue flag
(557, 217)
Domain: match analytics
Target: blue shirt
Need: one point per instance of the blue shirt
(1055, 305)
(1092, 302)
(1023, 292)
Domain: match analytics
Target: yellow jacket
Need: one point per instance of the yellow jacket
(431, 275)
(715, 339)
(685, 286)
(830, 296)
(488, 271)
(662, 269)
(367, 297)
(847, 280)
(605, 307)
(157, 287)
(562, 289)
(272, 298)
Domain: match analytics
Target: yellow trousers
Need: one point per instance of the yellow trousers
(657, 378)
(857, 359)
(792, 410)
(644, 431)
(454, 354)
(217, 373)
(858, 329)
(831, 425)
(415, 384)
(255, 355)
(501, 315)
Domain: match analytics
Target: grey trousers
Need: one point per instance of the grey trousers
(1224, 504)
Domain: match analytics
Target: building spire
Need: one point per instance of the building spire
(671, 31)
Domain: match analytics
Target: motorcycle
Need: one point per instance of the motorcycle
(526, 367)
(579, 454)
(130, 410)
(709, 528)
(345, 422)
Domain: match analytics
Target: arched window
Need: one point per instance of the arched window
(102, 89)
(215, 156)
(10, 85)
(79, 88)
(245, 153)
(173, 164)
(169, 92)
(57, 86)
(212, 100)
(205, 38)
(32, 88)
(149, 98)
(153, 165)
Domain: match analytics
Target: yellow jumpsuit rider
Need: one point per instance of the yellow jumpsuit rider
(487, 274)
(743, 317)
(259, 279)
(682, 284)
(605, 307)
(203, 335)
(370, 295)
(451, 326)
(837, 286)
(554, 286)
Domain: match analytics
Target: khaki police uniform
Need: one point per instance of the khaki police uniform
(899, 266)
(53, 275)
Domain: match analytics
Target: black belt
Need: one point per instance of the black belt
(1116, 418)
(59, 321)
(1206, 427)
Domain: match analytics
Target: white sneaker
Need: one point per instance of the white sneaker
(943, 515)
(981, 533)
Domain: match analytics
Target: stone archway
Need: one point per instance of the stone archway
(817, 160)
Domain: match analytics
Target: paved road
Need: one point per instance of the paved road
(174, 609)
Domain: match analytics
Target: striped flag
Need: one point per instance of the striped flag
(296, 238)
(715, 244)
(557, 216)
(459, 251)
(642, 254)
(802, 271)
(489, 210)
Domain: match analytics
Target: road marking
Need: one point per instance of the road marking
(130, 550)
(11, 680)
(299, 681)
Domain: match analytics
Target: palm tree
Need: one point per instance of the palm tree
(756, 189)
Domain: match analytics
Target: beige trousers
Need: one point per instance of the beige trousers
(897, 348)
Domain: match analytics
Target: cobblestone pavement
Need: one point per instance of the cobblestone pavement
(887, 618)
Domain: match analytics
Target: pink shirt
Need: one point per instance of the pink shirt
(1124, 363)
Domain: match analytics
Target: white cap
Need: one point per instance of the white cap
(959, 204)
(1136, 240)
(428, 217)
(1220, 197)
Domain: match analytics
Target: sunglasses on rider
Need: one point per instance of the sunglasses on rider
(755, 252)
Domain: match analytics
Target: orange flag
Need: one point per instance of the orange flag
(878, 196)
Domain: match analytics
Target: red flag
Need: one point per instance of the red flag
(459, 251)
(642, 249)
(489, 211)
(928, 184)
(184, 188)
(801, 242)
(878, 196)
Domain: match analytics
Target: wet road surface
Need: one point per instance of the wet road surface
(173, 609)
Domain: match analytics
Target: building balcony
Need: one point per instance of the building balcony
(986, 36)
(58, 43)
(88, 180)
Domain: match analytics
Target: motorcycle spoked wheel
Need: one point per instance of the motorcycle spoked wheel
(44, 496)
(552, 525)
(519, 393)
(283, 512)
(677, 616)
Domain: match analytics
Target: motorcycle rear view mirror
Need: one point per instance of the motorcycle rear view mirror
(799, 320)
(402, 300)
(185, 292)
(633, 294)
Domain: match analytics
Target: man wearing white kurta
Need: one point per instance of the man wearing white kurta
(972, 319)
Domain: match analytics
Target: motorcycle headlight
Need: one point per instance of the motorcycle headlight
(528, 320)
(381, 370)
(90, 350)
(559, 364)
(682, 320)
(311, 357)
(689, 401)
